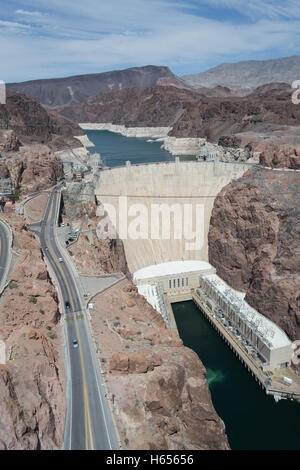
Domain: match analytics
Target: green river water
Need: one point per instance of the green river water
(253, 419)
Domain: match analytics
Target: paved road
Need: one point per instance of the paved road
(89, 423)
(4, 253)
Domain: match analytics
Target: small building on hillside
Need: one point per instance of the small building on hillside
(78, 174)
(6, 187)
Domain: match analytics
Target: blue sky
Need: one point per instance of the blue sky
(42, 39)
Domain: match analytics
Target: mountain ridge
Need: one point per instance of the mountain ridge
(190, 113)
(248, 74)
(71, 90)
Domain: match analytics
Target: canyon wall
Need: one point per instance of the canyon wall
(191, 114)
(32, 168)
(31, 123)
(254, 241)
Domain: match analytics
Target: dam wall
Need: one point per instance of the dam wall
(176, 185)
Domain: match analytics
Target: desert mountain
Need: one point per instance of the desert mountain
(191, 113)
(70, 90)
(31, 123)
(29, 136)
(248, 74)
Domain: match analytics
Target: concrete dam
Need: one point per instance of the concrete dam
(162, 213)
(170, 188)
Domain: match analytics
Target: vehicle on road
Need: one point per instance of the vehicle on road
(75, 343)
(60, 260)
(67, 304)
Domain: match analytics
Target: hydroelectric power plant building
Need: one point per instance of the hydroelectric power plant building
(186, 280)
(260, 336)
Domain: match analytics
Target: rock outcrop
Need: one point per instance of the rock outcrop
(254, 241)
(31, 123)
(32, 397)
(95, 257)
(8, 141)
(91, 255)
(32, 168)
(157, 387)
(284, 156)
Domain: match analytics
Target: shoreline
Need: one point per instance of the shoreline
(174, 145)
(177, 146)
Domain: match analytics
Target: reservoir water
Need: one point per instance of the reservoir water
(253, 419)
(115, 149)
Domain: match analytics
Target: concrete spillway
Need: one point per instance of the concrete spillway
(194, 184)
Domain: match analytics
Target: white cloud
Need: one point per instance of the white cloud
(12, 24)
(256, 9)
(82, 37)
(29, 13)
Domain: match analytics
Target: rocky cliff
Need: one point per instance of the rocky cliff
(254, 241)
(32, 168)
(70, 90)
(28, 137)
(283, 156)
(157, 387)
(91, 255)
(31, 123)
(191, 114)
(32, 397)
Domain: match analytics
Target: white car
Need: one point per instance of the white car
(60, 260)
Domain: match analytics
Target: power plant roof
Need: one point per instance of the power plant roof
(265, 327)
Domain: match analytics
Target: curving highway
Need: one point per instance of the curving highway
(89, 423)
(4, 254)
